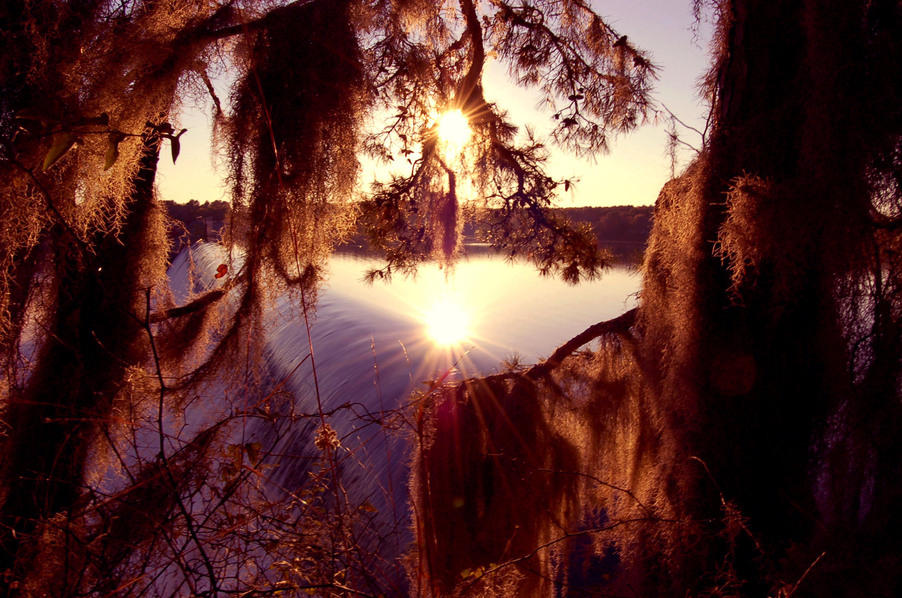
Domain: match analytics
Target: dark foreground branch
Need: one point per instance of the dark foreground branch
(194, 306)
(619, 325)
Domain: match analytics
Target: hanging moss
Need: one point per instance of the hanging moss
(488, 497)
(292, 137)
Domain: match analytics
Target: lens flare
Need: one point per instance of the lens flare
(454, 130)
(446, 322)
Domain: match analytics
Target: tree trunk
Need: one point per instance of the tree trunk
(739, 315)
(94, 337)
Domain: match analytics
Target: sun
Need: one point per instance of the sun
(454, 129)
(446, 322)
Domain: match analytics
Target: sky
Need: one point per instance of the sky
(632, 173)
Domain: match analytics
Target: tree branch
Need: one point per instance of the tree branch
(619, 325)
(470, 93)
(194, 306)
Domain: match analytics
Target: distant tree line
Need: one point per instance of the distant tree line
(616, 225)
(616, 228)
(194, 221)
(613, 226)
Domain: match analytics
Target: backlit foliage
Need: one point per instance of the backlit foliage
(740, 437)
(112, 480)
(292, 133)
(596, 84)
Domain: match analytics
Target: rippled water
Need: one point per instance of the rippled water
(511, 308)
(372, 349)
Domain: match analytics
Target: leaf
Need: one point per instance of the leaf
(221, 271)
(176, 147)
(253, 451)
(62, 143)
(112, 152)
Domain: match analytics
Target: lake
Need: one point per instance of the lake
(371, 342)
(372, 347)
(510, 308)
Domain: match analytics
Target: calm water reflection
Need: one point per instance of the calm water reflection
(509, 307)
(372, 350)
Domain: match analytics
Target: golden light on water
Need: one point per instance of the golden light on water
(453, 130)
(447, 322)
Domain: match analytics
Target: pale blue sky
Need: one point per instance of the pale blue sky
(632, 173)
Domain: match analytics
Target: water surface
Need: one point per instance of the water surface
(511, 309)
(371, 349)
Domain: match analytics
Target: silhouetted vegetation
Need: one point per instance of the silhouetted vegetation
(619, 230)
(128, 468)
(736, 434)
(193, 221)
(740, 436)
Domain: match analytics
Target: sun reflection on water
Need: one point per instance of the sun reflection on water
(447, 323)
(507, 309)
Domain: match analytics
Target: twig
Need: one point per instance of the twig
(685, 126)
(192, 532)
(795, 586)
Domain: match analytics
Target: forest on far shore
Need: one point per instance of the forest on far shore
(615, 227)
(166, 429)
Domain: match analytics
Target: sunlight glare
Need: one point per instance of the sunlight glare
(454, 129)
(447, 322)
